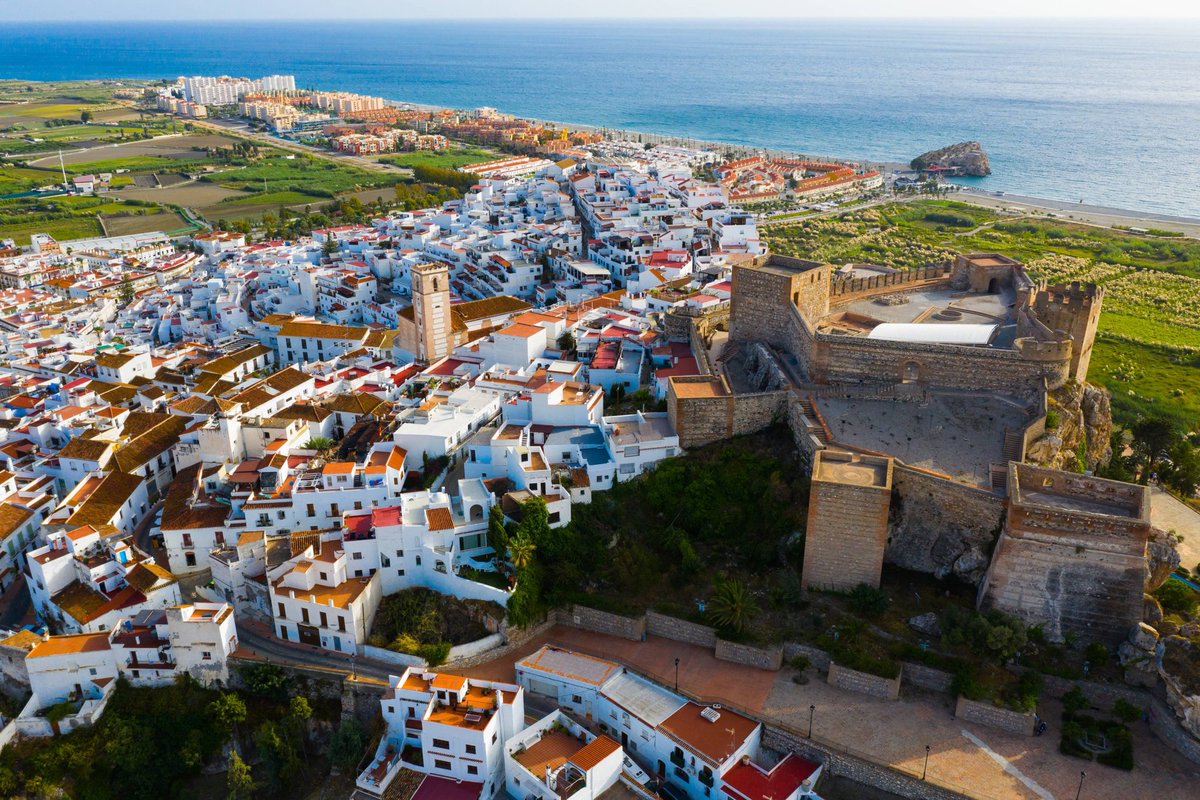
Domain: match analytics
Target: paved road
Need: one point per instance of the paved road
(256, 639)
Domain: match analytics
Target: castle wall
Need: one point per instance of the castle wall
(1073, 308)
(941, 527)
(852, 359)
(840, 288)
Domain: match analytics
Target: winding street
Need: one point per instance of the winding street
(257, 642)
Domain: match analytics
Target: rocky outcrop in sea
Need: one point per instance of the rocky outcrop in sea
(968, 157)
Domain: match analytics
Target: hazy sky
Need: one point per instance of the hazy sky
(233, 10)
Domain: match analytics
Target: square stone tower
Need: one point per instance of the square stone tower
(431, 310)
(847, 520)
(1072, 555)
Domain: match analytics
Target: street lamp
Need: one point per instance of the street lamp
(811, 711)
(925, 769)
(1082, 775)
(677, 674)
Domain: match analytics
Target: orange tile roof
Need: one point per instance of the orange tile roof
(439, 519)
(594, 752)
(71, 643)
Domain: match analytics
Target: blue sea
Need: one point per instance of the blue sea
(1103, 112)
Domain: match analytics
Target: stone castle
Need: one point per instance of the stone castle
(915, 397)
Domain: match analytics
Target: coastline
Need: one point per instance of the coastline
(1106, 216)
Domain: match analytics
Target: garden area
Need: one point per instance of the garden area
(275, 738)
(452, 158)
(422, 622)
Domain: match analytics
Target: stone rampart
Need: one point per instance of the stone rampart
(878, 283)
(995, 717)
(680, 630)
(755, 412)
(853, 680)
(516, 642)
(762, 657)
(591, 619)
(940, 526)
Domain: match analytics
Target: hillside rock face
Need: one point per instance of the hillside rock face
(967, 156)
(1179, 665)
(1084, 426)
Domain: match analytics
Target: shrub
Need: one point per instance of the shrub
(1177, 597)
(434, 653)
(800, 662)
(1074, 701)
(1096, 654)
(1126, 711)
(857, 659)
(868, 600)
(966, 684)
(1051, 420)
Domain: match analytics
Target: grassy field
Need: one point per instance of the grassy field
(1145, 378)
(1152, 284)
(279, 173)
(15, 179)
(81, 227)
(284, 198)
(453, 158)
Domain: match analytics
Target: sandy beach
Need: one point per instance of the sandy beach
(1079, 212)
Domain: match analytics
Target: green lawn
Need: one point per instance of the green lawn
(1145, 378)
(1149, 330)
(452, 158)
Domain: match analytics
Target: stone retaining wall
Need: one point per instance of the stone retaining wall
(995, 717)
(764, 658)
(517, 641)
(927, 677)
(680, 630)
(591, 619)
(864, 683)
(816, 656)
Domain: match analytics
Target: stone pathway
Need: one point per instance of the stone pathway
(1005, 767)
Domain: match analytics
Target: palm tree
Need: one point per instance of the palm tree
(732, 606)
(520, 551)
(319, 443)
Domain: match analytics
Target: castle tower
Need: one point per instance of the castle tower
(847, 528)
(765, 291)
(431, 310)
(1074, 308)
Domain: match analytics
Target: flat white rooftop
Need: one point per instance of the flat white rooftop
(968, 334)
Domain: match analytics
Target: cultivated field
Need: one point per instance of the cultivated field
(166, 221)
(192, 195)
(137, 155)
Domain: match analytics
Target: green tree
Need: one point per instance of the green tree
(125, 293)
(85, 117)
(1152, 437)
(299, 713)
(732, 605)
(278, 755)
(229, 710)
(346, 746)
(1126, 711)
(497, 533)
(566, 342)
(1181, 470)
(329, 247)
(320, 444)
(521, 550)
(238, 779)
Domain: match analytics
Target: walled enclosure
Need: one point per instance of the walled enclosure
(1072, 556)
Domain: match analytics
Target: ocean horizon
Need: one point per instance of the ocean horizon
(1104, 112)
